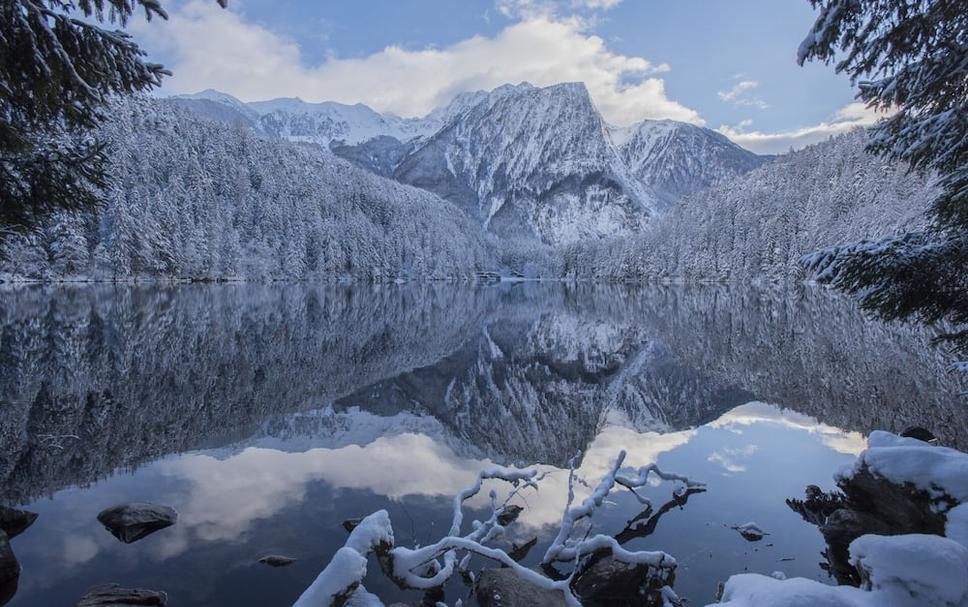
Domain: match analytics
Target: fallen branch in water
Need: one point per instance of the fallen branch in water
(429, 567)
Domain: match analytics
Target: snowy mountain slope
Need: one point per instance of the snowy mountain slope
(322, 123)
(328, 122)
(224, 99)
(676, 158)
(533, 163)
(758, 226)
(384, 153)
(215, 111)
(525, 162)
(195, 199)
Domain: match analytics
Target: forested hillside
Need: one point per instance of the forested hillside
(758, 225)
(199, 196)
(195, 198)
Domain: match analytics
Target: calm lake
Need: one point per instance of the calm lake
(268, 414)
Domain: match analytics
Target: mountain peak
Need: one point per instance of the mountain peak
(677, 158)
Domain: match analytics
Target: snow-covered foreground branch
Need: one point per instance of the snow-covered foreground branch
(429, 567)
(563, 549)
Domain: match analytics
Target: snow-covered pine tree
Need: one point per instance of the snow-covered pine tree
(909, 56)
(58, 68)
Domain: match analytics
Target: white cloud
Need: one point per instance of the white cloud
(738, 95)
(516, 9)
(755, 412)
(596, 4)
(214, 48)
(845, 119)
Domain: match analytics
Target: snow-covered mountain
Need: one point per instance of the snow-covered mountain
(203, 200)
(534, 163)
(759, 225)
(323, 123)
(676, 158)
(525, 162)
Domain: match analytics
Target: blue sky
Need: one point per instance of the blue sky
(728, 65)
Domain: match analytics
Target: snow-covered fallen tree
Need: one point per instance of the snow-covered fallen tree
(429, 567)
(904, 510)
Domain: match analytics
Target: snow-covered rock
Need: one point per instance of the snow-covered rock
(899, 571)
(907, 570)
(939, 471)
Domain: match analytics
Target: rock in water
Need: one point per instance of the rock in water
(131, 522)
(611, 582)
(509, 514)
(13, 522)
(113, 595)
(504, 588)
(9, 567)
(275, 560)
(751, 532)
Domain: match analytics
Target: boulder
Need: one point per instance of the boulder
(131, 522)
(844, 526)
(505, 588)
(868, 504)
(905, 508)
(509, 514)
(13, 522)
(610, 582)
(751, 532)
(277, 560)
(113, 595)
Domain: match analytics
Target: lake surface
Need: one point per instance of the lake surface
(268, 414)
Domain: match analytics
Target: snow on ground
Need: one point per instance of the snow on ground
(937, 470)
(897, 571)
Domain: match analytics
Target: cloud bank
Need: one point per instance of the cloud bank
(846, 119)
(214, 48)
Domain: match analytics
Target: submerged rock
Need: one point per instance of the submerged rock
(751, 532)
(113, 595)
(276, 560)
(9, 567)
(611, 582)
(131, 522)
(505, 588)
(509, 514)
(13, 522)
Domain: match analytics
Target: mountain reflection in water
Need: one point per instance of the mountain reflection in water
(267, 414)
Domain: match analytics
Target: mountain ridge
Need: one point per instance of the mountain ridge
(635, 171)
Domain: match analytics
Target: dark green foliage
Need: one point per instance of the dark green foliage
(910, 56)
(57, 72)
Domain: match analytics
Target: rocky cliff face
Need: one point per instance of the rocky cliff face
(533, 163)
(675, 158)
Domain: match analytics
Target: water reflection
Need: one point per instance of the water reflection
(268, 414)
